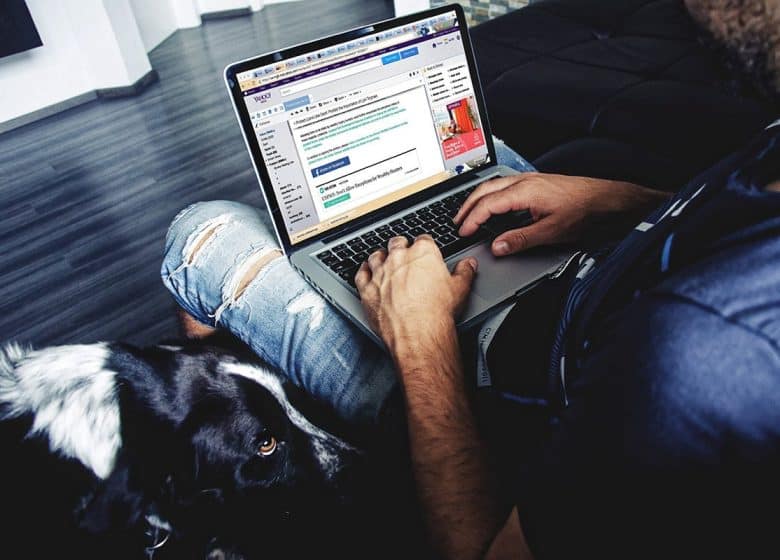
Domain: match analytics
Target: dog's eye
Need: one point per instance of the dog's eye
(267, 446)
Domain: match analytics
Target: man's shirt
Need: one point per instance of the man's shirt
(666, 435)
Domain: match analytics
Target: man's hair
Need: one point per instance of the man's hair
(749, 32)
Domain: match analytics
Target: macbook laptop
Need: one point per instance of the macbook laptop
(373, 133)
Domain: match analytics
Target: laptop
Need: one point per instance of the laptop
(372, 133)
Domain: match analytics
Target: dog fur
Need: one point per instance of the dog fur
(108, 443)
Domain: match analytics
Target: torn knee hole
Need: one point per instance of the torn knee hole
(198, 240)
(251, 268)
(201, 242)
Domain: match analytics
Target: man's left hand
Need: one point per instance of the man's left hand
(408, 292)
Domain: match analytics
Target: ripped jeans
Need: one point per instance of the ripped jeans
(222, 267)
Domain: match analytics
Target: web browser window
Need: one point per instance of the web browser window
(356, 126)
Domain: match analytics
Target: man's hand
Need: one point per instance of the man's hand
(408, 292)
(564, 208)
(412, 301)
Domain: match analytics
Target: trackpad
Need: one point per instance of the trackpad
(497, 278)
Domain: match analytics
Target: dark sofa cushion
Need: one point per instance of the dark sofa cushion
(621, 89)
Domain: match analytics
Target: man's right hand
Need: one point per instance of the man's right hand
(562, 207)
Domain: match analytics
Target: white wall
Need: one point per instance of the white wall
(94, 44)
(110, 42)
(206, 6)
(403, 7)
(47, 74)
(155, 19)
(87, 45)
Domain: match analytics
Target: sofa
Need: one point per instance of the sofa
(619, 89)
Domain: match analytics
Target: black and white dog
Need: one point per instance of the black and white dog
(114, 451)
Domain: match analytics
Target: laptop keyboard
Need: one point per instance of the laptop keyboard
(434, 219)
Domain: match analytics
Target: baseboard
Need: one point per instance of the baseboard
(47, 111)
(224, 14)
(105, 93)
(128, 91)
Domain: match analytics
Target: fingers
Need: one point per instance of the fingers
(516, 240)
(399, 242)
(369, 269)
(426, 242)
(362, 276)
(463, 276)
(372, 268)
(500, 183)
(499, 202)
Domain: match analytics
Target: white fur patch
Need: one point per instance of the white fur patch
(326, 446)
(72, 397)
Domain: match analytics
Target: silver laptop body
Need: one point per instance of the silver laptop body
(353, 134)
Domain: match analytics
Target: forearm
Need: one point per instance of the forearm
(450, 465)
(615, 207)
(623, 202)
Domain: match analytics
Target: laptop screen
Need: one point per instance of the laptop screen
(355, 126)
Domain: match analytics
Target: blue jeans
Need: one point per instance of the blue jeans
(210, 253)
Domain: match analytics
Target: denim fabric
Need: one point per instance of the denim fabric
(210, 248)
(507, 156)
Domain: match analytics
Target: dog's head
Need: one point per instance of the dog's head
(223, 448)
(244, 450)
(247, 439)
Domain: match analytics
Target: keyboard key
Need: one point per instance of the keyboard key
(345, 253)
(413, 222)
(382, 228)
(359, 246)
(343, 265)
(443, 230)
(339, 247)
(417, 231)
(349, 276)
(324, 255)
(400, 228)
(353, 241)
(396, 222)
(447, 239)
(386, 235)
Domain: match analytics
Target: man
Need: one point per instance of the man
(665, 414)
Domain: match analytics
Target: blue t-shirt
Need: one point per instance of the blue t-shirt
(667, 439)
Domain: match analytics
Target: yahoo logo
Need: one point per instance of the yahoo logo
(261, 98)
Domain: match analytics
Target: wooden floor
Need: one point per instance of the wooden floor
(86, 195)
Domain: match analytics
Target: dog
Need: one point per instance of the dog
(186, 451)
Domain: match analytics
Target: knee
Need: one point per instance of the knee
(213, 252)
(191, 217)
(191, 229)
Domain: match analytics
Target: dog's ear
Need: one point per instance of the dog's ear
(115, 504)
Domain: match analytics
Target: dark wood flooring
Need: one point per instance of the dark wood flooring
(86, 195)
